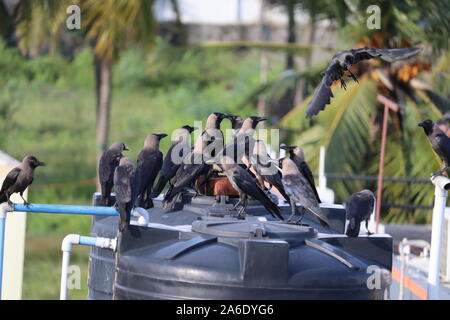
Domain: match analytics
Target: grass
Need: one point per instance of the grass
(47, 108)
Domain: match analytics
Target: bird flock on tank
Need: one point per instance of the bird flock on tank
(244, 161)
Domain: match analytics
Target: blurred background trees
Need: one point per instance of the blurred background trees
(138, 67)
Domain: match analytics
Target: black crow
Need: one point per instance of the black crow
(358, 208)
(265, 169)
(236, 124)
(439, 142)
(126, 185)
(297, 155)
(192, 167)
(243, 142)
(213, 134)
(19, 178)
(150, 161)
(172, 161)
(341, 62)
(246, 186)
(107, 164)
(299, 191)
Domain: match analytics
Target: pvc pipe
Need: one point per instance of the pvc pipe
(83, 210)
(442, 184)
(66, 247)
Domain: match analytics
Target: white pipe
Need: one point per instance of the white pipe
(322, 177)
(142, 214)
(66, 247)
(442, 184)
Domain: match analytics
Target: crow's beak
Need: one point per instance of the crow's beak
(287, 148)
(161, 136)
(193, 129)
(259, 119)
(421, 124)
(40, 163)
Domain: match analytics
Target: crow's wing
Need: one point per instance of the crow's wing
(307, 173)
(122, 185)
(298, 188)
(10, 179)
(149, 164)
(108, 162)
(323, 93)
(245, 182)
(359, 206)
(389, 55)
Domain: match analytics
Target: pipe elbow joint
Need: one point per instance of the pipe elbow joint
(68, 241)
(441, 182)
(143, 216)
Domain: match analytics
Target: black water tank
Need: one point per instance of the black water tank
(251, 259)
(234, 244)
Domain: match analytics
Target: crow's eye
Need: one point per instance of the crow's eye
(349, 58)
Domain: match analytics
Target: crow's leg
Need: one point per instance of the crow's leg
(367, 228)
(343, 85)
(10, 203)
(235, 206)
(293, 210)
(241, 212)
(440, 172)
(25, 202)
(353, 76)
(302, 213)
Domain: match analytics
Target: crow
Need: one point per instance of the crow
(107, 164)
(439, 142)
(172, 161)
(265, 169)
(236, 124)
(358, 208)
(213, 134)
(19, 178)
(341, 62)
(246, 186)
(299, 191)
(150, 161)
(297, 155)
(126, 185)
(243, 143)
(192, 167)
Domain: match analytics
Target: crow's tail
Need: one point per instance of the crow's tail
(162, 181)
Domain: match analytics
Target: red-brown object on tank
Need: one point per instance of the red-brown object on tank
(216, 185)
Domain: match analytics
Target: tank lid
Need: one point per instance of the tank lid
(253, 228)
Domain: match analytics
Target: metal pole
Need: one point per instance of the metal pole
(381, 167)
(440, 196)
(388, 104)
(2, 245)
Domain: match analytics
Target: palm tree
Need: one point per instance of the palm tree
(350, 126)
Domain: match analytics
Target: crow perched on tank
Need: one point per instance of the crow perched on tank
(126, 183)
(265, 169)
(19, 178)
(150, 160)
(236, 124)
(107, 164)
(180, 147)
(246, 186)
(192, 167)
(439, 142)
(358, 208)
(299, 191)
(297, 155)
(341, 62)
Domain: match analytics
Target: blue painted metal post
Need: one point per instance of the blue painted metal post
(2, 245)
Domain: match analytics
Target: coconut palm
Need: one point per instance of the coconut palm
(350, 126)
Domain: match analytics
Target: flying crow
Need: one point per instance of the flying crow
(341, 62)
